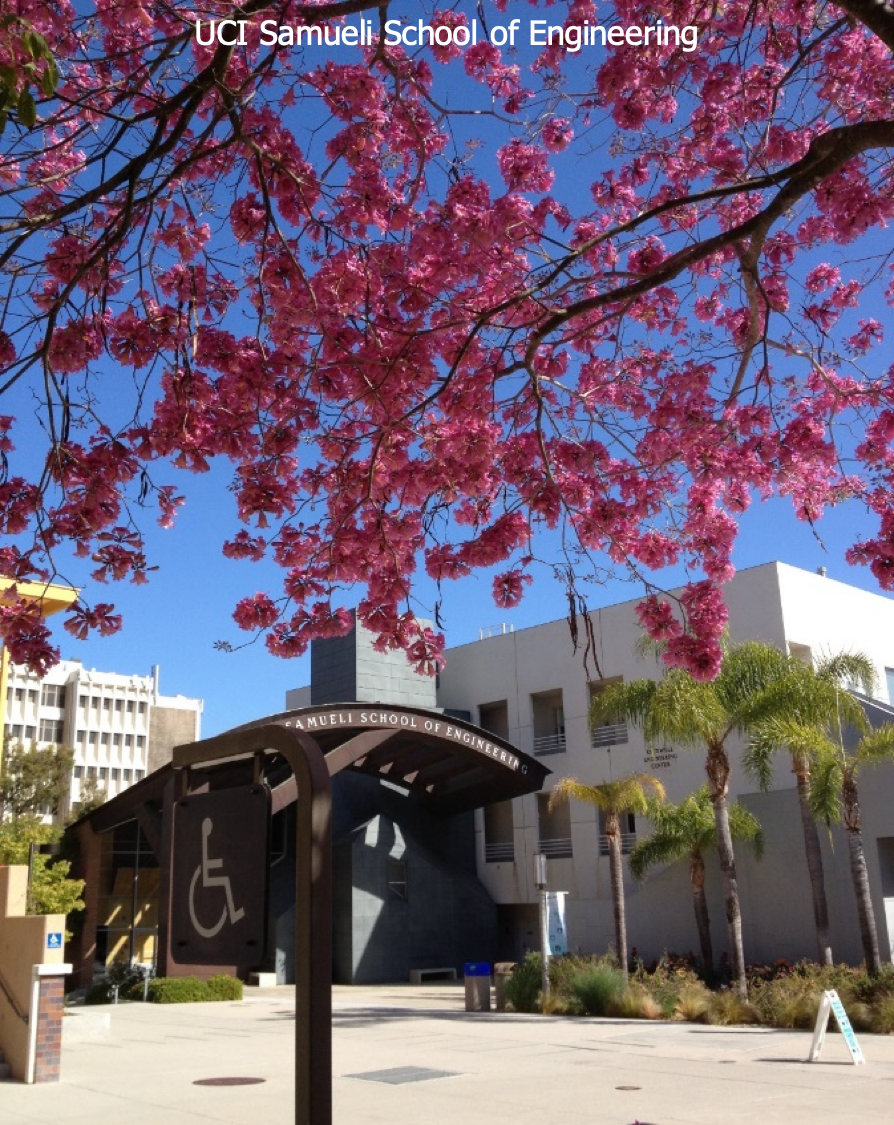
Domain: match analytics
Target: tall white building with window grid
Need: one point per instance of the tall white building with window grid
(120, 727)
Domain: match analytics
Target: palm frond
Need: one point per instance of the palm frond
(629, 794)
(687, 829)
(745, 826)
(685, 711)
(844, 668)
(875, 746)
(630, 702)
(748, 669)
(759, 753)
(655, 849)
(825, 788)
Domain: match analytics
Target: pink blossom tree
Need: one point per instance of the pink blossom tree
(429, 300)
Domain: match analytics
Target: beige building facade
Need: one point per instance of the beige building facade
(532, 688)
(120, 726)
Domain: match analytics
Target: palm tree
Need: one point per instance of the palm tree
(687, 831)
(689, 712)
(834, 796)
(614, 798)
(811, 696)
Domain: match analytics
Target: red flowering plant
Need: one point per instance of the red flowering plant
(427, 300)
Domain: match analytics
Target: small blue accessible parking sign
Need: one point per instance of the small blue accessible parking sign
(54, 941)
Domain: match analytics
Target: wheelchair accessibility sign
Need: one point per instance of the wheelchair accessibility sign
(221, 857)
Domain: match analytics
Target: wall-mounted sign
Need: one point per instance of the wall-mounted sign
(221, 858)
(660, 757)
(54, 941)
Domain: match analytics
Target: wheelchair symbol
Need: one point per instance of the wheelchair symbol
(208, 880)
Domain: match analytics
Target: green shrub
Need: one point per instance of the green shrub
(692, 1003)
(100, 993)
(224, 987)
(190, 990)
(666, 981)
(523, 985)
(636, 1004)
(727, 1007)
(597, 989)
(785, 1001)
(882, 1016)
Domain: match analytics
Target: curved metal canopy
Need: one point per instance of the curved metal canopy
(446, 762)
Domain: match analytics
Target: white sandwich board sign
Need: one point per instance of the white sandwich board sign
(831, 1005)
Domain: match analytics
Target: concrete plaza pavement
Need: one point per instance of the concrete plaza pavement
(409, 1055)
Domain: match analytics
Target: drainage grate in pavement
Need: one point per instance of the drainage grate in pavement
(398, 1075)
(228, 1081)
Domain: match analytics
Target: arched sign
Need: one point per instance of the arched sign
(438, 758)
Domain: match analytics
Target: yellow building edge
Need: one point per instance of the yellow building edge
(51, 598)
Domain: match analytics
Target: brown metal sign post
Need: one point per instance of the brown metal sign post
(313, 899)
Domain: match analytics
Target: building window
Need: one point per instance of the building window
(128, 741)
(30, 732)
(549, 723)
(107, 705)
(32, 695)
(104, 738)
(92, 738)
(397, 878)
(141, 742)
(51, 730)
(607, 734)
(130, 707)
(116, 775)
(499, 845)
(142, 707)
(494, 717)
(79, 772)
(53, 695)
(555, 828)
(119, 706)
(628, 833)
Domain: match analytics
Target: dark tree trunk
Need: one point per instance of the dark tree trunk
(717, 768)
(617, 880)
(815, 869)
(700, 906)
(865, 913)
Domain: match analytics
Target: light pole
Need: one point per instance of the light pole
(540, 881)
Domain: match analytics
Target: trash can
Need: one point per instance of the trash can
(502, 973)
(477, 980)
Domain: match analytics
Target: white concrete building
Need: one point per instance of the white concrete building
(120, 727)
(532, 688)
